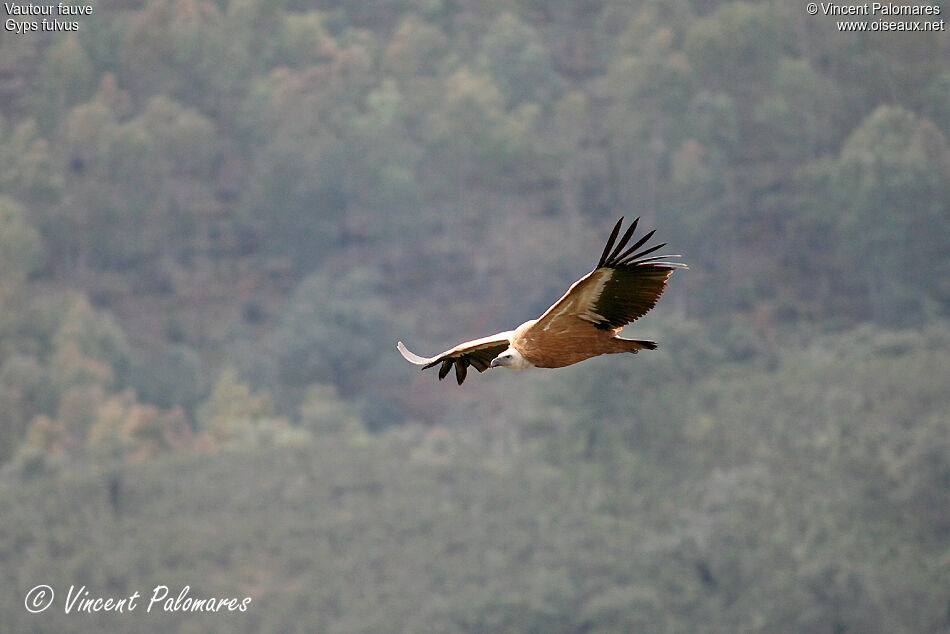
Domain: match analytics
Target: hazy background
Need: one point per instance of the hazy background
(217, 217)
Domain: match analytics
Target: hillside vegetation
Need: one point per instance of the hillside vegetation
(217, 218)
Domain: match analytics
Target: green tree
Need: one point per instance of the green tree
(29, 167)
(798, 120)
(185, 138)
(20, 245)
(305, 348)
(140, 189)
(124, 429)
(303, 39)
(88, 348)
(736, 48)
(883, 230)
(64, 77)
(184, 48)
(323, 411)
(236, 413)
(937, 103)
(650, 89)
(24, 393)
(417, 48)
(471, 133)
(514, 55)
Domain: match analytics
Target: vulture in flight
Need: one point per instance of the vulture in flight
(584, 323)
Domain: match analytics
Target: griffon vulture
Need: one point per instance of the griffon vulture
(584, 323)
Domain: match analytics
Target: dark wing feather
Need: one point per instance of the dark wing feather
(625, 285)
(630, 293)
(478, 354)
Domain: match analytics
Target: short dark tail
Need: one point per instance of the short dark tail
(634, 345)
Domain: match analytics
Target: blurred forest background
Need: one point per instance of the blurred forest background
(218, 216)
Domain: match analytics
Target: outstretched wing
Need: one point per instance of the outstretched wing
(626, 284)
(478, 353)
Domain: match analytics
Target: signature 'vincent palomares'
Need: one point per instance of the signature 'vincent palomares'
(584, 323)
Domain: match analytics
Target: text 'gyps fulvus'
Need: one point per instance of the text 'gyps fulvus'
(584, 323)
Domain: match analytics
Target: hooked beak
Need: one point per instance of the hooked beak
(495, 362)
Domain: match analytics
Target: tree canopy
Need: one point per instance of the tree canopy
(218, 216)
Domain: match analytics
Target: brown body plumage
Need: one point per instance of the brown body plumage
(567, 347)
(584, 323)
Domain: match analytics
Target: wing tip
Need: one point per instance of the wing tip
(610, 242)
(410, 356)
(635, 255)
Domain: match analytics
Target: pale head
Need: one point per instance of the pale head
(511, 359)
